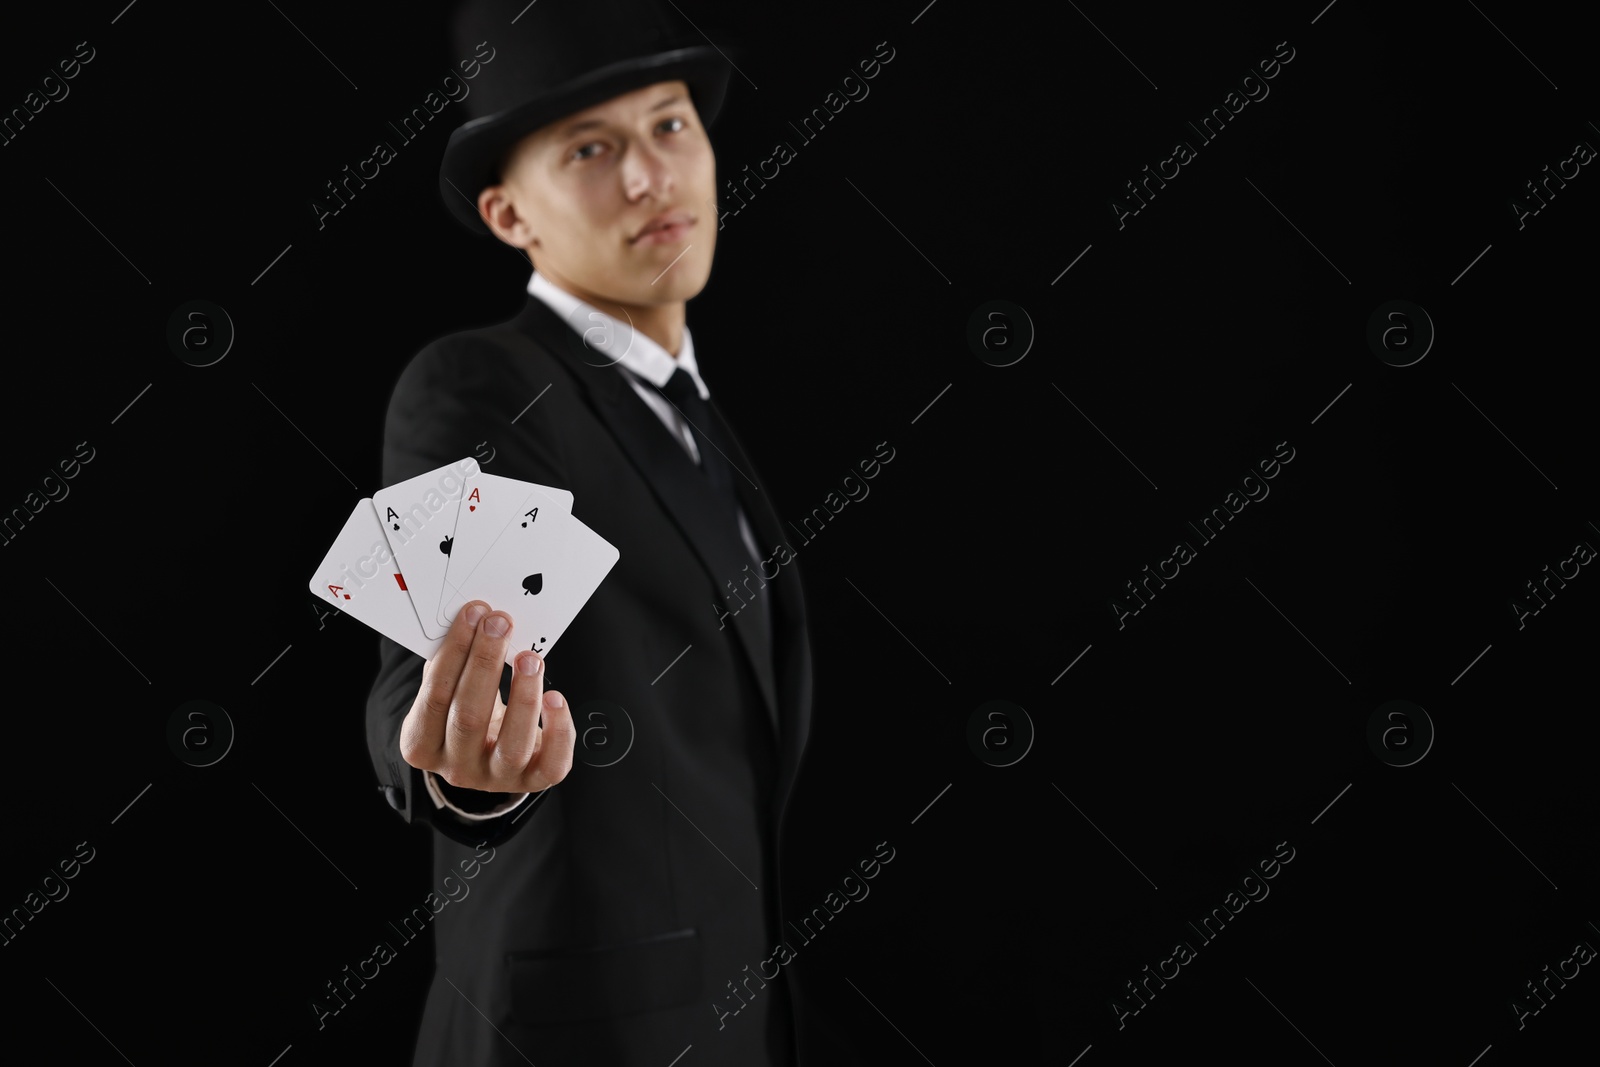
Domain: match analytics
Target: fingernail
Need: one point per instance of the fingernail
(475, 612)
(497, 626)
(553, 699)
(528, 664)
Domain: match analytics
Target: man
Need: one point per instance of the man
(625, 853)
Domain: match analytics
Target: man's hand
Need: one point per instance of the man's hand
(459, 729)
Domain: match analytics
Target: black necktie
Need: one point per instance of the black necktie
(680, 389)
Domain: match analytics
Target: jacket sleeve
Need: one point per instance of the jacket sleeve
(455, 399)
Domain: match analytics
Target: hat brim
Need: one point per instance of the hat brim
(476, 148)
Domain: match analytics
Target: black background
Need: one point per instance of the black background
(1175, 753)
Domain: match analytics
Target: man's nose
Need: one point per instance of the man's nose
(646, 170)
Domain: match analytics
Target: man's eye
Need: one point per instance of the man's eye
(582, 151)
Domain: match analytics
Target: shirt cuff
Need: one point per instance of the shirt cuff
(439, 801)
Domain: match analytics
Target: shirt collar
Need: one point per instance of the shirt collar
(631, 349)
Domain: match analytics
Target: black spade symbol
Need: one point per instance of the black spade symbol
(444, 546)
(533, 583)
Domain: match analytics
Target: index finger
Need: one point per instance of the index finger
(422, 735)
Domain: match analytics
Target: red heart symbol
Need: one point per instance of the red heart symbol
(472, 507)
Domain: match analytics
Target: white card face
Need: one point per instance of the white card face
(360, 578)
(419, 517)
(490, 507)
(540, 577)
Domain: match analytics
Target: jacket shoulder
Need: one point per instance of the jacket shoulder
(481, 356)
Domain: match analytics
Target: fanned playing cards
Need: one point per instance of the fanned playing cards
(410, 557)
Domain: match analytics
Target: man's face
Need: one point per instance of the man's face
(577, 193)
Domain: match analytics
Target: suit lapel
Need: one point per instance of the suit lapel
(791, 642)
(788, 632)
(674, 479)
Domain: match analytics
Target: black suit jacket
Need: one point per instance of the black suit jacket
(627, 912)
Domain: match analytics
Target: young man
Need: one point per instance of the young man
(623, 908)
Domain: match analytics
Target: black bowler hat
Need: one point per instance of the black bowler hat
(555, 58)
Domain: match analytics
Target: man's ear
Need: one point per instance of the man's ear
(499, 212)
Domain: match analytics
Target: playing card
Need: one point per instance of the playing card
(540, 577)
(490, 506)
(360, 578)
(419, 517)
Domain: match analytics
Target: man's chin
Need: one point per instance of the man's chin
(670, 285)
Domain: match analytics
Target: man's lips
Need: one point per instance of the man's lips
(665, 228)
